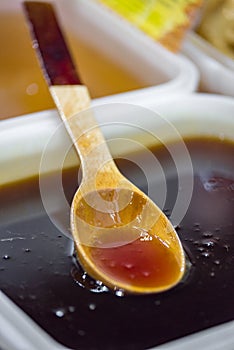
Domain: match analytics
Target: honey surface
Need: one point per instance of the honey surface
(39, 273)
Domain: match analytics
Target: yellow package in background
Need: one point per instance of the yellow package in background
(164, 20)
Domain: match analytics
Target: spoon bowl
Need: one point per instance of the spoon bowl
(135, 249)
(121, 237)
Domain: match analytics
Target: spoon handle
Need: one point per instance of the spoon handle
(70, 96)
(72, 102)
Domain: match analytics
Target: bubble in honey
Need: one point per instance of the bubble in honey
(208, 243)
(81, 332)
(92, 306)
(128, 266)
(32, 89)
(84, 280)
(226, 247)
(27, 250)
(6, 257)
(119, 292)
(196, 227)
(205, 254)
(145, 273)
(207, 234)
(111, 263)
(201, 249)
(71, 309)
(217, 262)
(59, 312)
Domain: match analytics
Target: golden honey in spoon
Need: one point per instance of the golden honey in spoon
(132, 258)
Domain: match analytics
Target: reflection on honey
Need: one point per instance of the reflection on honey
(22, 86)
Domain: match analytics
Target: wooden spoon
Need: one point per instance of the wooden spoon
(122, 238)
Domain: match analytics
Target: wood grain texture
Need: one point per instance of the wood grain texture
(50, 45)
(73, 103)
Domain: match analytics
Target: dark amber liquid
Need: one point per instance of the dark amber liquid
(38, 272)
(135, 256)
(139, 263)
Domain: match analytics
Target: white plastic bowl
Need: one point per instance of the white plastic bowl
(216, 69)
(23, 140)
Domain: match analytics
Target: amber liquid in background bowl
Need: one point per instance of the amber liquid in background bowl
(22, 86)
